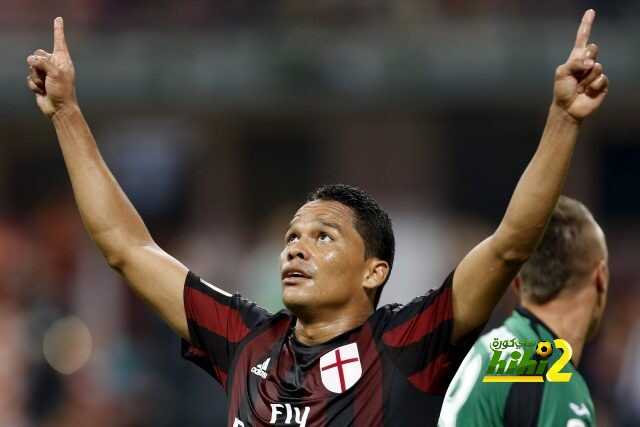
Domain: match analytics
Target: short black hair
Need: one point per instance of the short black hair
(564, 252)
(371, 222)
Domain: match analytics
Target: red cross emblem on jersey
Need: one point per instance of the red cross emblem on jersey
(340, 368)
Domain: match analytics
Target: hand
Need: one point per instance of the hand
(51, 75)
(580, 84)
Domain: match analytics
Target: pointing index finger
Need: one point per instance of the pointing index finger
(584, 31)
(59, 43)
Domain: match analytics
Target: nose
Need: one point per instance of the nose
(297, 251)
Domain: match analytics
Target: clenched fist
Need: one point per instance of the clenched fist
(580, 84)
(51, 75)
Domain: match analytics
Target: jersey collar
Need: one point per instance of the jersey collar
(540, 328)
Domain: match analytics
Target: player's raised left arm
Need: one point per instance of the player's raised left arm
(483, 275)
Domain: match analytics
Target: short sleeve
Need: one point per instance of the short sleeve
(218, 322)
(418, 338)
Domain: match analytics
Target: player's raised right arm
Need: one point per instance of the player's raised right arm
(107, 213)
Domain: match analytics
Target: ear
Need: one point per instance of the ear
(376, 273)
(602, 277)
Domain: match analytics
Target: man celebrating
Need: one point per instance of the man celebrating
(331, 358)
(563, 292)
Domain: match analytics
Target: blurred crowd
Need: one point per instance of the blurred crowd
(137, 14)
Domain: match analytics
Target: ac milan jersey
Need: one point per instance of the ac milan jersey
(393, 370)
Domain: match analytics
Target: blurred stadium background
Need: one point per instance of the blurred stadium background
(217, 117)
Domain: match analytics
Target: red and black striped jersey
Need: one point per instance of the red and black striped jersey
(393, 370)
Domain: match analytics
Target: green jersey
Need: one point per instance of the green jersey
(471, 402)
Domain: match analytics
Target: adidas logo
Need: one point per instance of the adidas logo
(261, 369)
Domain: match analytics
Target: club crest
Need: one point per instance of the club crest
(340, 368)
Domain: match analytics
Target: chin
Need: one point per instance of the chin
(295, 299)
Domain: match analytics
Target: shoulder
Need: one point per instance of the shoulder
(569, 401)
(470, 401)
(204, 301)
(435, 302)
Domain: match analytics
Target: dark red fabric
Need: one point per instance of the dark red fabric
(218, 318)
(416, 328)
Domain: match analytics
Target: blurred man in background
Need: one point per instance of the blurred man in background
(331, 358)
(563, 292)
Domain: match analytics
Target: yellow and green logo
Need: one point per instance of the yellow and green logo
(527, 361)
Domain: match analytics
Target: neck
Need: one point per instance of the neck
(568, 316)
(318, 331)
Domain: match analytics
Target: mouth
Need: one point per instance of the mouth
(294, 276)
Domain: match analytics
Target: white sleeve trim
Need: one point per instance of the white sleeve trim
(215, 288)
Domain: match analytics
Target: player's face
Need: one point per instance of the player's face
(323, 262)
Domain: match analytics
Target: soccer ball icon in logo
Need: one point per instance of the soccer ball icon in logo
(544, 349)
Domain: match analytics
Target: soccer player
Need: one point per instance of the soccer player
(331, 358)
(563, 292)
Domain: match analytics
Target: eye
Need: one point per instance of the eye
(324, 237)
(290, 237)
